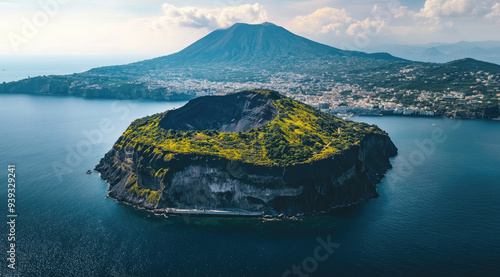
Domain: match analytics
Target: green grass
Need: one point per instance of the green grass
(151, 196)
(140, 192)
(299, 134)
(154, 197)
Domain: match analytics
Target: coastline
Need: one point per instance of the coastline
(166, 212)
(417, 116)
(185, 99)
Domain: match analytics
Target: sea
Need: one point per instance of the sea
(438, 213)
(17, 67)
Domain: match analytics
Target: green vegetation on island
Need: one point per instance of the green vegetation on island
(250, 153)
(299, 134)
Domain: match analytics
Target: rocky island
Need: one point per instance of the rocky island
(250, 153)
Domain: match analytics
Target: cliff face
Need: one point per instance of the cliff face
(202, 183)
(249, 153)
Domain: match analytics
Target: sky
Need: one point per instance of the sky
(159, 27)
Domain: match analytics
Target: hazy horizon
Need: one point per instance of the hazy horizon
(158, 28)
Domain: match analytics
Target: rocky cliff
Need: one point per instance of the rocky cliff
(150, 165)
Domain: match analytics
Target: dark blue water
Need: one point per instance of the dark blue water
(438, 212)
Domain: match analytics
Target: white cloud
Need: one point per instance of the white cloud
(448, 8)
(458, 7)
(212, 18)
(322, 21)
(396, 11)
(495, 11)
(368, 26)
(432, 8)
(340, 21)
(439, 15)
(121, 27)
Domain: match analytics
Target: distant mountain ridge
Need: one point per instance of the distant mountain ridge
(472, 64)
(488, 51)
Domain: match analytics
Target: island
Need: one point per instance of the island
(250, 153)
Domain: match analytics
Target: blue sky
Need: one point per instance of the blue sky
(158, 27)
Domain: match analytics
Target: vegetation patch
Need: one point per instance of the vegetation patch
(154, 197)
(140, 192)
(299, 134)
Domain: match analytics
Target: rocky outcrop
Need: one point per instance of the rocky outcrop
(205, 184)
(239, 112)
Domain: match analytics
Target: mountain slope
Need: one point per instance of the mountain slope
(237, 54)
(252, 43)
(475, 65)
(265, 45)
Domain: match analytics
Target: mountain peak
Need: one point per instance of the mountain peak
(246, 27)
(257, 44)
(467, 62)
(265, 24)
(473, 64)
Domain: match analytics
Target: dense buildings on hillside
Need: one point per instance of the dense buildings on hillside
(323, 92)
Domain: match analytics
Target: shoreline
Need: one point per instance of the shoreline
(166, 212)
(187, 99)
(419, 116)
(193, 212)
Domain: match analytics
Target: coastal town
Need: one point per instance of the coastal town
(324, 92)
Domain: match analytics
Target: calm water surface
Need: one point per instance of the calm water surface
(437, 214)
(17, 67)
